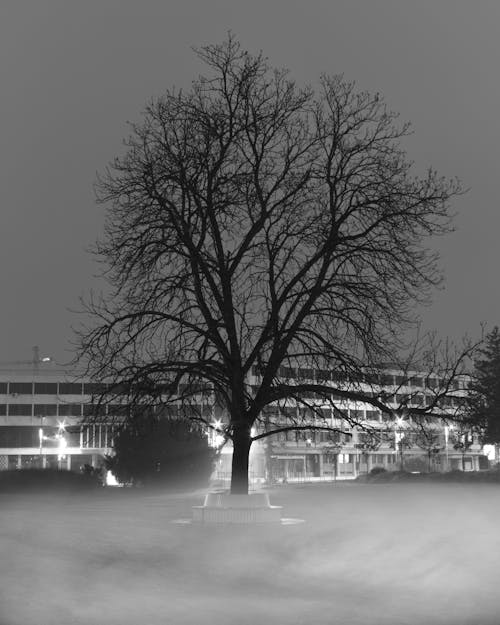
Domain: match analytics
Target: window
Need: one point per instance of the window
(372, 415)
(386, 379)
(339, 376)
(121, 388)
(20, 388)
(92, 410)
(94, 388)
(357, 414)
(323, 375)
(20, 410)
(70, 410)
(45, 410)
(3, 388)
(3, 409)
(287, 372)
(19, 436)
(70, 388)
(416, 381)
(72, 436)
(45, 388)
(325, 413)
(364, 437)
(305, 374)
(345, 458)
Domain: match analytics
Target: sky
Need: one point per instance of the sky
(73, 73)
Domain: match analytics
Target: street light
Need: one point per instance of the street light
(40, 438)
(333, 450)
(447, 430)
(398, 440)
(216, 437)
(61, 442)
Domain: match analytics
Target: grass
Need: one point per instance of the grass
(367, 553)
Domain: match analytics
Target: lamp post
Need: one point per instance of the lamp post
(398, 437)
(447, 429)
(61, 443)
(40, 438)
(333, 450)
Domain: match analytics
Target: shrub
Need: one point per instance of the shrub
(45, 480)
(165, 453)
(378, 470)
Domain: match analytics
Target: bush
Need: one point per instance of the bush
(164, 453)
(45, 480)
(377, 470)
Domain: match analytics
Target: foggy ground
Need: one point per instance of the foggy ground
(370, 554)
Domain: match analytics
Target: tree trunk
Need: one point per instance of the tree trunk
(239, 467)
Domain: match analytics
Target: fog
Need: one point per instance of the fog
(384, 553)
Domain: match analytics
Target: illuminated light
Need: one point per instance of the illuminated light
(40, 434)
(217, 424)
(489, 451)
(46, 359)
(400, 420)
(218, 440)
(61, 445)
(61, 426)
(111, 479)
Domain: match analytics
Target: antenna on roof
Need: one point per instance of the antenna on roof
(36, 357)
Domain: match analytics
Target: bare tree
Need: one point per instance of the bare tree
(430, 441)
(255, 226)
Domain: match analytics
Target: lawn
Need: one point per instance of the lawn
(367, 553)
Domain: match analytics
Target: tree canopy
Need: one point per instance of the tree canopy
(256, 227)
(156, 451)
(485, 389)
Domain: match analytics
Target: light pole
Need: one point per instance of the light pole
(333, 450)
(40, 438)
(398, 440)
(61, 443)
(447, 429)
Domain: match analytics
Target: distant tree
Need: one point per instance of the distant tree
(430, 441)
(255, 226)
(159, 451)
(485, 389)
(462, 442)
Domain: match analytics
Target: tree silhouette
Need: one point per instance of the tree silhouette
(159, 451)
(266, 244)
(485, 389)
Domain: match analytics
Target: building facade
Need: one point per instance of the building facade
(41, 412)
(43, 409)
(392, 441)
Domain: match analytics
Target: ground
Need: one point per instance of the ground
(366, 554)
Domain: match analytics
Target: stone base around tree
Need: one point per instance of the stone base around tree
(227, 508)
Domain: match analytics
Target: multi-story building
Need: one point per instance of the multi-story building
(393, 440)
(43, 409)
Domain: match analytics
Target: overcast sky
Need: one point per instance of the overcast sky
(73, 73)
